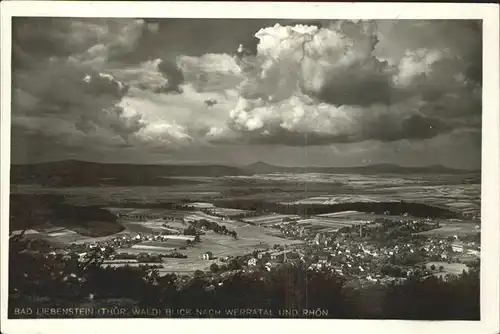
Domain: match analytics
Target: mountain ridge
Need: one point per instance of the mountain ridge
(257, 164)
(263, 167)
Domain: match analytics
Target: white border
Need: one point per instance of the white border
(489, 323)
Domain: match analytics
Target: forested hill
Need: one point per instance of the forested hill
(29, 211)
(81, 173)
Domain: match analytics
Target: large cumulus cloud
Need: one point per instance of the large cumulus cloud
(307, 85)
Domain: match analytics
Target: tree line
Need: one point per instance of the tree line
(393, 208)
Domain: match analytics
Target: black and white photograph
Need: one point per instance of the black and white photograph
(247, 168)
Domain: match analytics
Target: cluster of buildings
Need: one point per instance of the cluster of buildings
(469, 248)
(352, 251)
(353, 254)
(108, 247)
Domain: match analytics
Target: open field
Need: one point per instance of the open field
(149, 226)
(158, 245)
(450, 228)
(250, 238)
(269, 219)
(331, 223)
(459, 192)
(229, 212)
(170, 265)
(154, 249)
(201, 205)
(197, 215)
(342, 214)
(99, 239)
(448, 268)
(63, 236)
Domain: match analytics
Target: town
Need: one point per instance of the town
(381, 250)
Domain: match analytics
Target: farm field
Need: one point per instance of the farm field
(453, 228)
(147, 227)
(454, 191)
(64, 236)
(87, 240)
(179, 266)
(269, 219)
(169, 244)
(448, 268)
(330, 223)
(250, 238)
(201, 215)
(229, 212)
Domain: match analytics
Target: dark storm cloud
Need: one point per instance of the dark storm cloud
(283, 137)
(37, 40)
(42, 37)
(462, 38)
(70, 108)
(61, 96)
(356, 88)
(174, 76)
(365, 80)
(412, 127)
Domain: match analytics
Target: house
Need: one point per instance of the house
(281, 255)
(457, 247)
(474, 252)
(323, 256)
(292, 256)
(207, 256)
(263, 256)
(252, 262)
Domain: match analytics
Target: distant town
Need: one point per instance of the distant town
(197, 239)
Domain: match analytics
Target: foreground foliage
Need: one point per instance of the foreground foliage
(39, 281)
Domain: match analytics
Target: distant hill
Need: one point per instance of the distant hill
(265, 168)
(74, 173)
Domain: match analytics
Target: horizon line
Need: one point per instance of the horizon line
(243, 165)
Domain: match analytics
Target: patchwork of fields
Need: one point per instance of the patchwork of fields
(269, 219)
(250, 238)
(254, 232)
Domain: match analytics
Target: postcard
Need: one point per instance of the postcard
(291, 166)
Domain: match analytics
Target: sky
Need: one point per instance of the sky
(286, 92)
